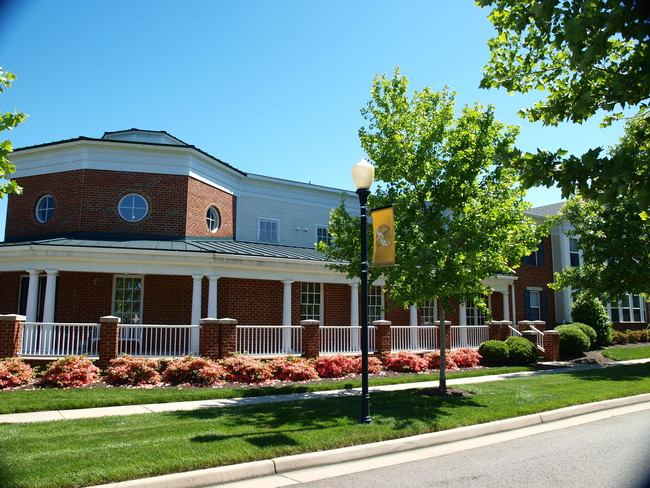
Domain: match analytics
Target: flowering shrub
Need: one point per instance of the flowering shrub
(13, 372)
(465, 358)
(433, 360)
(336, 366)
(292, 369)
(374, 365)
(127, 370)
(194, 371)
(243, 369)
(70, 372)
(404, 361)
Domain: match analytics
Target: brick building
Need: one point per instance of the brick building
(143, 226)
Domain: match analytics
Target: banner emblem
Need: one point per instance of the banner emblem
(383, 225)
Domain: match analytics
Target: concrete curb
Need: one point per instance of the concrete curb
(239, 472)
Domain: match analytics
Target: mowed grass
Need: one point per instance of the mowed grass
(18, 401)
(94, 451)
(627, 353)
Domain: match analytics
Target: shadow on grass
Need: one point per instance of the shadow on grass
(634, 372)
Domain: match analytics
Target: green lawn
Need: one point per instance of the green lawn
(94, 451)
(626, 353)
(18, 401)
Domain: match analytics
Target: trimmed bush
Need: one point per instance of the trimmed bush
(132, 371)
(14, 372)
(521, 352)
(292, 369)
(590, 311)
(589, 332)
(193, 370)
(404, 362)
(337, 366)
(433, 360)
(572, 339)
(465, 357)
(243, 369)
(70, 372)
(493, 353)
(374, 365)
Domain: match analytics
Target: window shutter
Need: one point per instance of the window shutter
(527, 313)
(543, 305)
(540, 254)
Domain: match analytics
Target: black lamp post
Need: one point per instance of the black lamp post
(362, 174)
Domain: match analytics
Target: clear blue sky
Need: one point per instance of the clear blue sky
(270, 87)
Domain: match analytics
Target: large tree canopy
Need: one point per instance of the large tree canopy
(587, 55)
(8, 121)
(459, 212)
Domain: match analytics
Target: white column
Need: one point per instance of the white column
(50, 295)
(354, 316)
(212, 296)
(196, 312)
(413, 316)
(462, 314)
(286, 315)
(32, 296)
(514, 309)
(506, 308)
(413, 322)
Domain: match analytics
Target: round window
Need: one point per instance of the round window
(133, 207)
(45, 209)
(213, 219)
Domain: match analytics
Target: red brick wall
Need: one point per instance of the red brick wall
(9, 289)
(337, 305)
(86, 201)
(251, 302)
(167, 299)
(83, 297)
(536, 276)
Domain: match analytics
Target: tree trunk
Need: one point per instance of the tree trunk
(443, 349)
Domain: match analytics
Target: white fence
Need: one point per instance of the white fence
(269, 340)
(470, 336)
(55, 339)
(158, 340)
(414, 338)
(344, 339)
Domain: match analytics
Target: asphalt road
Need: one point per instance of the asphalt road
(614, 452)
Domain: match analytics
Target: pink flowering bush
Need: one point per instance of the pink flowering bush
(243, 369)
(194, 370)
(70, 372)
(374, 365)
(14, 372)
(433, 360)
(129, 370)
(404, 362)
(466, 358)
(292, 369)
(336, 366)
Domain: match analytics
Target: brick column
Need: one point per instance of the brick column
(227, 337)
(539, 325)
(499, 330)
(209, 338)
(447, 333)
(552, 345)
(383, 342)
(310, 338)
(524, 325)
(11, 335)
(531, 336)
(109, 336)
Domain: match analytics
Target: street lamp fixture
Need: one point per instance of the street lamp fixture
(362, 174)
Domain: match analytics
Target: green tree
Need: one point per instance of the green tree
(615, 244)
(7, 122)
(588, 56)
(459, 212)
(589, 310)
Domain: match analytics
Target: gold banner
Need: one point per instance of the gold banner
(383, 226)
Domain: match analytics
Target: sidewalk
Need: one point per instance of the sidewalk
(236, 402)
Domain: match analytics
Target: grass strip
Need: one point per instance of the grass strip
(64, 454)
(627, 353)
(20, 401)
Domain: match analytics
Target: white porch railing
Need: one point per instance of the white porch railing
(49, 339)
(539, 338)
(470, 336)
(269, 340)
(414, 338)
(514, 332)
(157, 340)
(344, 339)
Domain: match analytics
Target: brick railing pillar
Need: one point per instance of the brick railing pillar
(11, 335)
(383, 342)
(109, 337)
(209, 338)
(530, 335)
(552, 345)
(539, 325)
(499, 329)
(524, 325)
(447, 333)
(228, 337)
(310, 338)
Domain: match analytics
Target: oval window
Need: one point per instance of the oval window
(45, 209)
(133, 207)
(213, 219)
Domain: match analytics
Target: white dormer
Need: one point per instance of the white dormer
(149, 136)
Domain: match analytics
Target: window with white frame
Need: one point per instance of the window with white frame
(311, 299)
(213, 219)
(428, 312)
(268, 230)
(323, 234)
(535, 304)
(474, 315)
(375, 303)
(630, 309)
(45, 208)
(127, 301)
(133, 207)
(574, 253)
